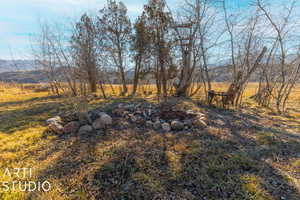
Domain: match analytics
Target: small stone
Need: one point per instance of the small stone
(149, 112)
(125, 113)
(99, 113)
(106, 119)
(140, 121)
(119, 112)
(200, 114)
(190, 112)
(203, 118)
(162, 121)
(219, 122)
(149, 124)
(188, 122)
(102, 122)
(71, 127)
(138, 111)
(200, 123)
(85, 129)
(138, 105)
(56, 119)
(166, 127)
(129, 107)
(123, 124)
(97, 124)
(56, 127)
(132, 118)
(177, 125)
(157, 125)
(155, 119)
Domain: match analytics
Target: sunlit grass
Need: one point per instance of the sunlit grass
(151, 160)
(252, 184)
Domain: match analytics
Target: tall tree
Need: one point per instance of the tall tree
(158, 24)
(114, 27)
(140, 46)
(186, 30)
(84, 47)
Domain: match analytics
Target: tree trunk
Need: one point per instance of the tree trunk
(122, 73)
(163, 77)
(185, 81)
(102, 89)
(92, 82)
(136, 75)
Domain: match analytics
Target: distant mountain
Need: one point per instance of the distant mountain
(24, 77)
(220, 73)
(16, 65)
(22, 71)
(224, 74)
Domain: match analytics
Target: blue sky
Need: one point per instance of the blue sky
(19, 19)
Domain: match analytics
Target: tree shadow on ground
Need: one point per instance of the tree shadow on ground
(223, 161)
(27, 117)
(28, 101)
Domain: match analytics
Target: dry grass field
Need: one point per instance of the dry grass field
(250, 153)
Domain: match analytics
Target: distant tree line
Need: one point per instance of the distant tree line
(175, 47)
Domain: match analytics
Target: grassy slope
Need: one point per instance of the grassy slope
(251, 154)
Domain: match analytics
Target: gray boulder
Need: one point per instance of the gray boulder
(149, 124)
(166, 127)
(157, 125)
(106, 119)
(103, 121)
(85, 129)
(97, 124)
(177, 125)
(188, 122)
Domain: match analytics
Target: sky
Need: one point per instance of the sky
(19, 20)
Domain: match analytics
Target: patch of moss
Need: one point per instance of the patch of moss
(267, 139)
(252, 185)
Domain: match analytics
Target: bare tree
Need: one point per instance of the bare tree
(52, 55)
(280, 84)
(186, 29)
(245, 52)
(195, 34)
(175, 49)
(114, 27)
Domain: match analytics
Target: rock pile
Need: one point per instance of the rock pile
(160, 118)
(79, 122)
(142, 115)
